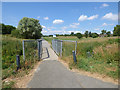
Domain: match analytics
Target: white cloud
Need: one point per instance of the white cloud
(74, 25)
(75, 31)
(97, 29)
(105, 24)
(85, 17)
(82, 18)
(110, 16)
(51, 28)
(104, 5)
(93, 17)
(63, 28)
(46, 18)
(43, 26)
(38, 17)
(58, 21)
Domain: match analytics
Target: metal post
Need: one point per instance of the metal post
(18, 61)
(75, 47)
(61, 49)
(74, 56)
(38, 50)
(23, 51)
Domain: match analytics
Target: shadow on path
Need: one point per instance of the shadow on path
(45, 53)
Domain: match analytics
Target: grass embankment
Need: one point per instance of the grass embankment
(10, 48)
(96, 55)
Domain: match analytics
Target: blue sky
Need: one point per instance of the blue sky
(64, 17)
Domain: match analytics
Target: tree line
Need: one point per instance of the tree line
(30, 28)
(104, 33)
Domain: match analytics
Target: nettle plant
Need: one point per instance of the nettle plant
(29, 28)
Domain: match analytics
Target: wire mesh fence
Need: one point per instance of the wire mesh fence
(57, 46)
(32, 51)
(64, 47)
(68, 47)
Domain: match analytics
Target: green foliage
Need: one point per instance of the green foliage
(116, 31)
(8, 85)
(12, 47)
(103, 32)
(94, 35)
(15, 33)
(30, 28)
(79, 35)
(108, 33)
(72, 34)
(50, 35)
(90, 34)
(6, 29)
(86, 34)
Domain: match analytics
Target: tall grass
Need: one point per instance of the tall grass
(12, 47)
(99, 55)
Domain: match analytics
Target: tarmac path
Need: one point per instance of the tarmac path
(51, 73)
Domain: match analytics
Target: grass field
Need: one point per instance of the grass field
(99, 55)
(10, 48)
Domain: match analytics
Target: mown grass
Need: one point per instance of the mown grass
(98, 55)
(12, 47)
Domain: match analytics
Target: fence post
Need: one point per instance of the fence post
(18, 61)
(75, 47)
(38, 49)
(74, 56)
(61, 49)
(23, 51)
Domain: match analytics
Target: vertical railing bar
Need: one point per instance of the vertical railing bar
(23, 51)
(75, 47)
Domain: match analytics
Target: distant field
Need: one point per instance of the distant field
(103, 57)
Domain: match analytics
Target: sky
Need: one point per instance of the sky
(64, 17)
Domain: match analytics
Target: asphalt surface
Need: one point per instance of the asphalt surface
(53, 74)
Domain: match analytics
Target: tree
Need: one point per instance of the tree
(86, 34)
(30, 28)
(108, 33)
(72, 34)
(116, 31)
(79, 35)
(7, 29)
(103, 32)
(94, 35)
(90, 34)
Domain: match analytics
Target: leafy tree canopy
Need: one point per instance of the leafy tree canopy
(30, 28)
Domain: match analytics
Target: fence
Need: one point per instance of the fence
(61, 46)
(32, 49)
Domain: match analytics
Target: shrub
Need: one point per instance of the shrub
(15, 33)
(94, 35)
(79, 35)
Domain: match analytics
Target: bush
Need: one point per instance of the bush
(15, 33)
(79, 35)
(94, 35)
(6, 29)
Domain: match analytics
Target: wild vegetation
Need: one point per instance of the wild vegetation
(10, 48)
(96, 55)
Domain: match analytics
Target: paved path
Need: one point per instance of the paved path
(52, 74)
